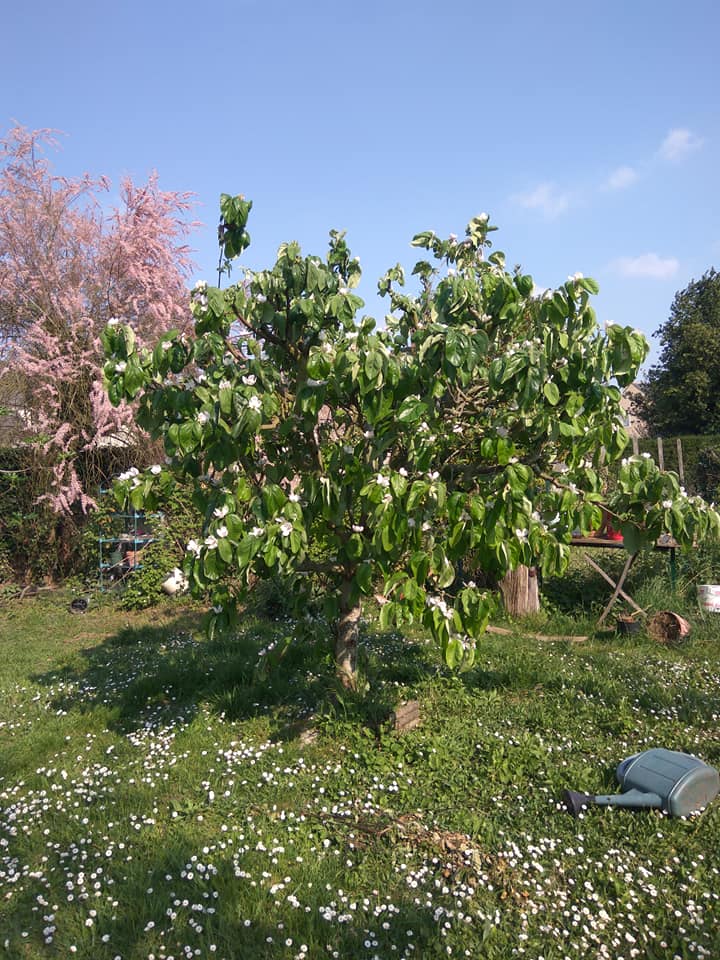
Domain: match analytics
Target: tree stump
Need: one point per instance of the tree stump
(520, 593)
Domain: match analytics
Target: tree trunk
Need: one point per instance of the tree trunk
(346, 639)
(519, 590)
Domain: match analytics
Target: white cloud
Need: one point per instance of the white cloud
(546, 198)
(646, 265)
(621, 178)
(678, 144)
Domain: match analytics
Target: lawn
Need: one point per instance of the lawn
(163, 796)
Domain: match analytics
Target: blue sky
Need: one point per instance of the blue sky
(590, 132)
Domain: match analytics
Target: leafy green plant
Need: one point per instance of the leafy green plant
(297, 421)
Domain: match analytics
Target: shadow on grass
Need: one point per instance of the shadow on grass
(153, 673)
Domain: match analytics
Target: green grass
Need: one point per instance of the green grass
(159, 796)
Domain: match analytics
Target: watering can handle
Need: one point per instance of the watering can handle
(633, 798)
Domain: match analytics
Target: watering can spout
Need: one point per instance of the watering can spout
(635, 799)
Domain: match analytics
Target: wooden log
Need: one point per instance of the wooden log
(504, 632)
(406, 716)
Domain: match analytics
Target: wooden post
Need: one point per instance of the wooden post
(661, 455)
(681, 465)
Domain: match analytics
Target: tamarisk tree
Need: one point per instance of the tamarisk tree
(359, 459)
(68, 264)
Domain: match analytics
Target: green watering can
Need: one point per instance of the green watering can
(656, 779)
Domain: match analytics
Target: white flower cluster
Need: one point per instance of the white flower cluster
(440, 605)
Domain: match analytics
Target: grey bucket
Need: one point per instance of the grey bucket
(657, 779)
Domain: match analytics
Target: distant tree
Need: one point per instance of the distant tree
(68, 264)
(682, 391)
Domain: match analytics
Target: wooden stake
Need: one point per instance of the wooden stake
(681, 466)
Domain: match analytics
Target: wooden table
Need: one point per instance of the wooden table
(598, 543)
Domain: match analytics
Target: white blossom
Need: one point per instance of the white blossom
(222, 531)
(257, 532)
(210, 542)
(120, 367)
(193, 547)
(250, 380)
(113, 321)
(221, 512)
(286, 528)
(382, 481)
(202, 417)
(255, 403)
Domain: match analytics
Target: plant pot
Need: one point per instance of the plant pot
(627, 626)
(709, 597)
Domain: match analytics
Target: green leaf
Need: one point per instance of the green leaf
(364, 577)
(387, 615)
(632, 537)
(224, 548)
(354, 547)
(552, 394)
(454, 652)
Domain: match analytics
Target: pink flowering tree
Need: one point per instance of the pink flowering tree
(69, 264)
(359, 459)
